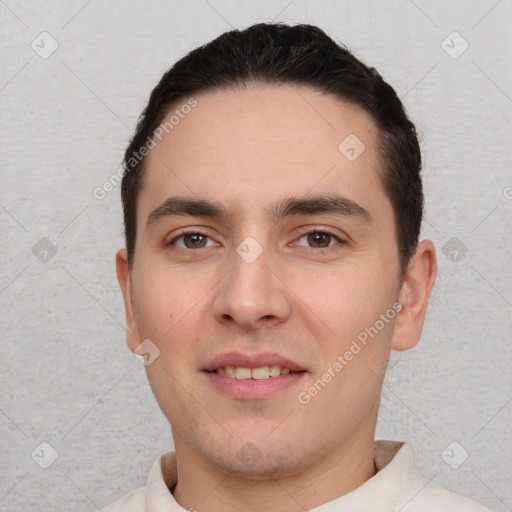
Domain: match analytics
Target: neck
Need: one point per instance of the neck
(206, 488)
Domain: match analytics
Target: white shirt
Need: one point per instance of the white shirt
(397, 486)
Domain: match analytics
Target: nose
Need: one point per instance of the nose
(252, 295)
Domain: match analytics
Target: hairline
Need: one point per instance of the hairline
(382, 169)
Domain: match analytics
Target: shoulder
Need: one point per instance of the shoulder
(409, 490)
(134, 501)
(434, 498)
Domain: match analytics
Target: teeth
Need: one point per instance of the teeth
(263, 372)
(242, 373)
(275, 370)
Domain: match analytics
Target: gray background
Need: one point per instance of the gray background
(66, 375)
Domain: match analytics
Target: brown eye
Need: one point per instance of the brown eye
(319, 239)
(192, 240)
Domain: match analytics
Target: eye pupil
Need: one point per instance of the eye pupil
(319, 239)
(194, 240)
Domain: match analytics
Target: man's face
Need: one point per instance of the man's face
(263, 283)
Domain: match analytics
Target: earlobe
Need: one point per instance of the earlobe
(125, 282)
(414, 295)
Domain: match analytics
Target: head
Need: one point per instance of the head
(272, 204)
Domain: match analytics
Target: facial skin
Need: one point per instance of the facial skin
(249, 150)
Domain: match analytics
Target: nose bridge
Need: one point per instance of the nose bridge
(251, 295)
(250, 272)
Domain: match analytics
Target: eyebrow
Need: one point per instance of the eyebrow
(292, 206)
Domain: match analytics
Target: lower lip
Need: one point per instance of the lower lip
(253, 389)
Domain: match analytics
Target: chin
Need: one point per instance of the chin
(267, 468)
(257, 459)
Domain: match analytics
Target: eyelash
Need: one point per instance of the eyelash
(315, 249)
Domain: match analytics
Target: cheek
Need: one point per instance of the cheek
(169, 311)
(164, 302)
(348, 300)
(350, 304)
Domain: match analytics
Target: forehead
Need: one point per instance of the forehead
(255, 145)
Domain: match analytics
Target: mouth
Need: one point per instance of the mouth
(252, 376)
(259, 373)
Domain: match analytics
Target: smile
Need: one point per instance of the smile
(260, 373)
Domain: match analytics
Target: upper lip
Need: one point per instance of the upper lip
(240, 359)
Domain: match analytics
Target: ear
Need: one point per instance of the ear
(414, 294)
(124, 276)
